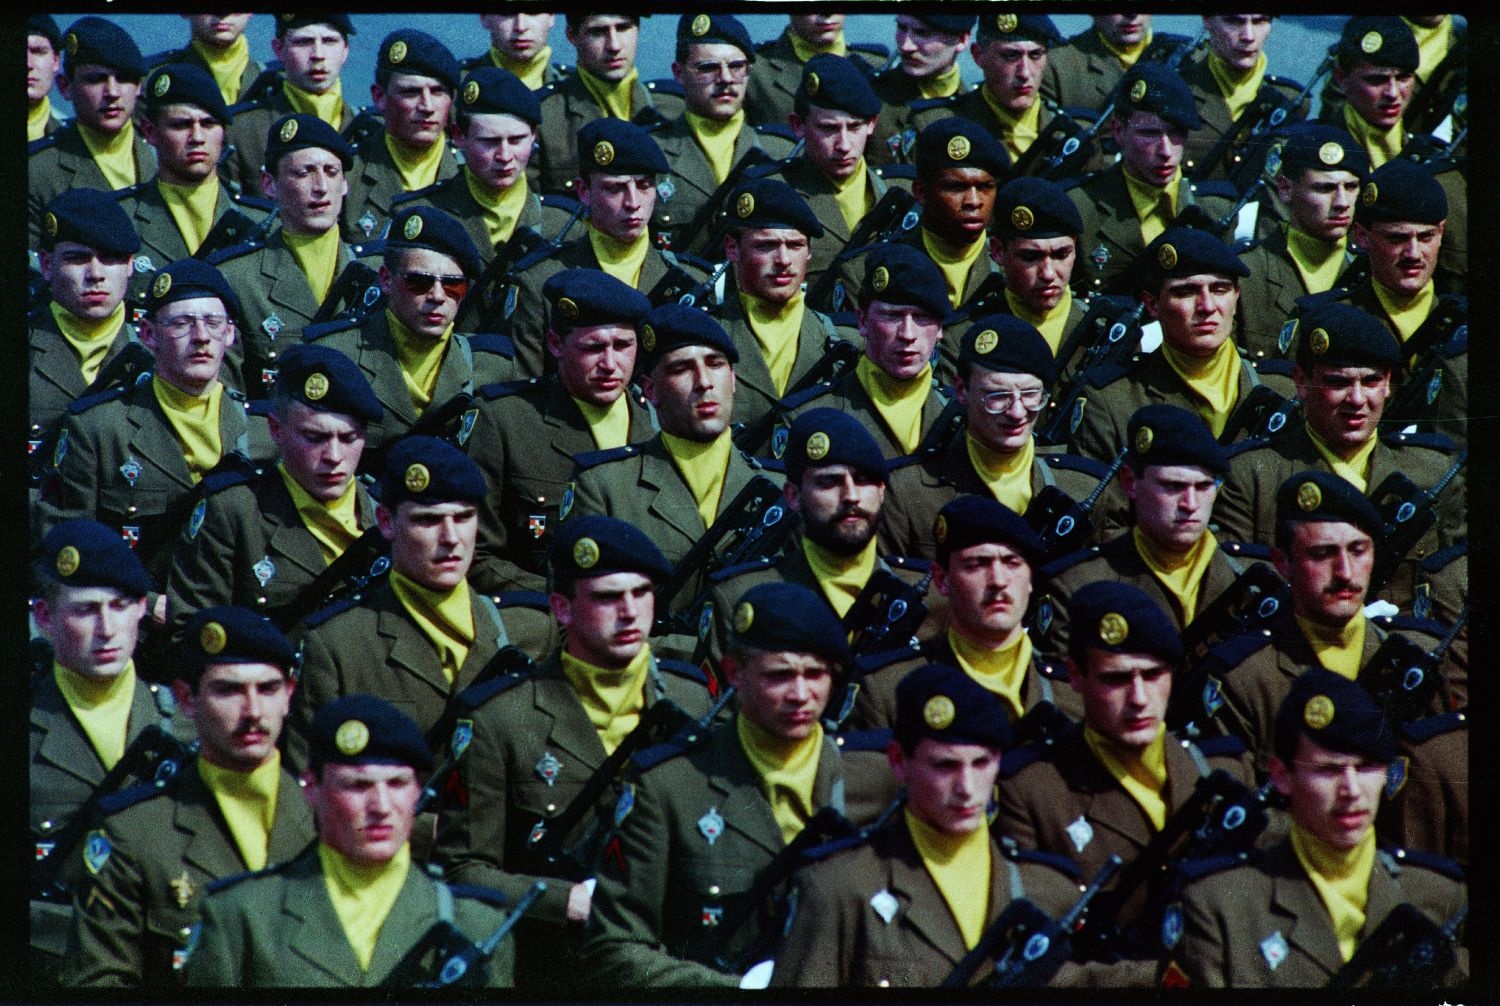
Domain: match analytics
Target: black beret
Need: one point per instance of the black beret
(419, 54)
(365, 730)
(1162, 434)
(1009, 345)
(1334, 713)
(1338, 334)
(97, 42)
(85, 553)
(1381, 40)
(1120, 618)
(823, 436)
(956, 142)
(615, 147)
(1036, 28)
(940, 702)
(596, 545)
(672, 326)
(188, 278)
(1314, 146)
(1187, 251)
(1316, 495)
(836, 82)
(899, 273)
(224, 634)
(789, 618)
(770, 203)
(90, 217)
(1401, 191)
(290, 22)
(1031, 207)
(489, 90)
(431, 228)
(953, 24)
(583, 298)
(184, 84)
(426, 470)
(302, 130)
(1160, 90)
(983, 520)
(46, 26)
(715, 29)
(328, 381)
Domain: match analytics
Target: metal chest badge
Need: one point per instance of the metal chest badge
(182, 889)
(367, 222)
(548, 768)
(272, 325)
(264, 570)
(711, 825)
(1274, 949)
(1099, 256)
(666, 189)
(131, 469)
(1081, 833)
(885, 904)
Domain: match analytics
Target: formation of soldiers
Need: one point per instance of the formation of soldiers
(810, 521)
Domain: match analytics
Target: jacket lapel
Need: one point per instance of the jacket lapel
(1307, 927)
(314, 932)
(571, 730)
(153, 442)
(409, 649)
(678, 510)
(410, 917)
(925, 909)
(736, 788)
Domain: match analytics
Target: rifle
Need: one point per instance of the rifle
(1108, 348)
(1407, 949)
(1264, 178)
(459, 963)
(702, 289)
(477, 313)
(838, 356)
(358, 287)
(1269, 114)
(896, 213)
(1067, 152)
(887, 613)
(1034, 944)
(1403, 678)
(710, 218)
(1062, 523)
(231, 229)
(1261, 415)
(1409, 512)
(339, 579)
(1412, 401)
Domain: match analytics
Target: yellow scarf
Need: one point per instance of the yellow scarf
(1239, 88)
(36, 119)
(416, 168)
(317, 256)
(898, 401)
(788, 771)
(613, 699)
(328, 106)
(1007, 476)
(532, 71)
(716, 140)
(1053, 324)
(1356, 470)
(227, 65)
(1181, 573)
(363, 895)
(609, 425)
(1406, 315)
(703, 466)
(501, 209)
(446, 619)
(334, 526)
(1127, 57)
(102, 708)
(777, 328)
(195, 420)
(1318, 262)
(420, 357)
(115, 155)
(613, 99)
(1001, 671)
(90, 340)
(840, 577)
(805, 52)
(1018, 132)
(1380, 144)
(1155, 207)
(192, 208)
(1141, 774)
(954, 262)
(1339, 650)
(940, 85)
(1432, 44)
(248, 802)
(853, 196)
(620, 260)
(1342, 880)
(1214, 382)
(959, 866)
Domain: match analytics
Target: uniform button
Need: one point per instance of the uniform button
(551, 808)
(130, 508)
(541, 499)
(884, 983)
(260, 600)
(46, 825)
(185, 932)
(713, 889)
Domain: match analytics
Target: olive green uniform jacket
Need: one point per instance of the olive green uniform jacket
(777, 72)
(453, 197)
(1214, 112)
(895, 136)
(567, 107)
(55, 380)
(1053, 127)
(692, 182)
(1082, 72)
(1268, 296)
(60, 161)
(247, 134)
(374, 183)
(847, 395)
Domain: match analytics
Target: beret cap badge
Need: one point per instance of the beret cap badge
(161, 285)
(604, 153)
(744, 205)
(585, 553)
(212, 638)
(958, 148)
(417, 478)
(1318, 712)
(1138, 91)
(648, 338)
(1317, 341)
(1371, 43)
(1113, 628)
(1370, 194)
(700, 25)
(1021, 218)
(288, 131)
(817, 446)
(471, 92)
(986, 341)
(940, 529)
(162, 86)
(67, 560)
(397, 51)
(1309, 496)
(938, 713)
(1166, 257)
(568, 308)
(413, 227)
(50, 222)
(744, 617)
(352, 735)
(1143, 439)
(813, 83)
(70, 44)
(1331, 152)
(1006, 23)
(315, 387)
(881, 279)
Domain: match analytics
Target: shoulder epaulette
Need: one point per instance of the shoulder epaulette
(493, 343)
(1443, 557)
(313, 333)
(224, 883)
(843, 319)
(1429, 727)
(132, 795)
(1076, 462)
(531, 258)
(1248, 445)
(1053, 670)
(547, 90)
(322, 615)
(81, 405)
(871, 49)
(1197, 869)
(480, 692)
(910, 562)
(130, 191)
(1311, 301)
(658, 754)
(227, 476)
(1109, 375)
(800, 398)
(870, 662)
(1410, 623)
(254, 202)
(864, 740)
(1432, 441)
(502, 389)
(768, 44)
(1286, 82)
(426, 192)
(253, 243)
(1022, 757)
(477, 892)
(261, 407)
(1273, 365)
(1402, 857)
(1222, 188)
(1227, 746)
(555, 201)
(928, 104)
(166, 702)
(1068, 561)
(777, 129)
(730, 572)
(1247, 550)
(588, 459)
(1077, 181)
(663, 85)
(907, 172)
(521, 599)
(1059, 862)
(683, 669)
(1237, 649)
(42, 143)
(907, 460)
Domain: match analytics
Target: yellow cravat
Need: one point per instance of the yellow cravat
(959, 866)
(1001, 671)
(1239, 88)
(1432, 44)
(716, 139)
(446, 618)
(1018, 132)
(612, 698)
(115, 155)
(420, 357)
(788, 772)
(416, 168)
(776, 328)
(1214, 383)
(248, 802)
(328, 106)
(1007, 476)
(1053, 325)
(1155, 207)
(1407, 315)
(853, 196)
(36, 119)
(1180, 573)
(702, 465)
(805, 52)
(1342, 880)
(899, 401)
(90, 340)
(1127, 57)
(317, 256)
(363, 895)
(940, 85)
(1318, 262)
(501, 209)
(195, 420)
(1356, 470)
(334, 526)
(1338, 649)
(613, 99)
(953, 262)
(621, 260)
(227, 65)
(840, 577)
(1380, 144)
(192, 208)
(532, 71)
(1141, 774)
(102, 708)
(609, 425)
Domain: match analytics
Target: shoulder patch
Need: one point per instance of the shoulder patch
(683, 669)
(589, 459)
(82, 405)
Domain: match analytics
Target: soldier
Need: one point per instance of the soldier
(99, 149)
(1189, 282)
(1109, 785)
(538, 740)
(354, 906)
(1442, 41)
(260, 539)
(415, 81)
(773, 81)
(43, 60)
(1085, 72)
(701, 822)
(519, 44)
(927, 47)
(217, 44)
(891, 392)
(936, 878)
(1294, 916)
(586, 405)
(1322, 169)
(421, 636)
(132, 457)
(231, 808)
(89, 709)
